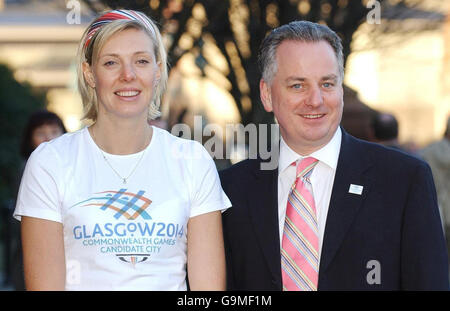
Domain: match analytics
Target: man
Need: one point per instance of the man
(337, 213)
(437, 155)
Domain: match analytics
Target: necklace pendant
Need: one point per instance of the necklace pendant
(124, 181)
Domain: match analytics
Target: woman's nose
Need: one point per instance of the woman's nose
(128, 73)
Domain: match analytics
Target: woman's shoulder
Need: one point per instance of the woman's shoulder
(177, 143)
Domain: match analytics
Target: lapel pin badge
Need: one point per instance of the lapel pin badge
(355, 189)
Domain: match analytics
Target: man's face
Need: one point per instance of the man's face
(305, 95)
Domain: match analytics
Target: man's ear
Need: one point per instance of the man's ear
(88, 75)
(265, 95)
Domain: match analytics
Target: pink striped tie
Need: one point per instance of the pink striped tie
(300, 244)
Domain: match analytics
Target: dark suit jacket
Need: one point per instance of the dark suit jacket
(395, 221)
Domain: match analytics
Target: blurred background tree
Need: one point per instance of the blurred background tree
(17, 103)
(237, 28)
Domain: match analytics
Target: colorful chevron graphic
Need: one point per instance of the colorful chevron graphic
(127, 204)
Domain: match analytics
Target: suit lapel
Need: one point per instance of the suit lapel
(263, 209)
(344, 205)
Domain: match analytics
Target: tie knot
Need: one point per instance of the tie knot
(306, 166)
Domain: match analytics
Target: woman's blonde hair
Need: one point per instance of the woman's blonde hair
(91, 45)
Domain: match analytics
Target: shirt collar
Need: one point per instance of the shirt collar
(328, 154)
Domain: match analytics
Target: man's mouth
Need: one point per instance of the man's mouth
(312, 116)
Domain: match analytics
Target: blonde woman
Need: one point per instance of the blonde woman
(122, 205)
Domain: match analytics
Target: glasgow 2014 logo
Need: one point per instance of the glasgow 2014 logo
(124, 204)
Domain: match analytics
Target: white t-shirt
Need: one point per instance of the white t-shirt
(121, 236)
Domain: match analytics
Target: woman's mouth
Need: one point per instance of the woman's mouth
(127, 93)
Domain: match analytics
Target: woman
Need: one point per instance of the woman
(42, 126)
(122, 205)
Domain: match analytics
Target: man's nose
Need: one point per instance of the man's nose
(315, 97)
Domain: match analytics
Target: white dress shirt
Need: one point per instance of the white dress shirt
(322, 179)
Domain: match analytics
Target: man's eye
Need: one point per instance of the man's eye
(296, 86)
(327, 85)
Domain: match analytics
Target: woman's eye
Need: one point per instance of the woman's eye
(109, 63)
(143, 61)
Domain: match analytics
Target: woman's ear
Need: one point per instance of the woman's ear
(158, 73)
(88, 75)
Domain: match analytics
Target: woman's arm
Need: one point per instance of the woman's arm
(205, 254)
(43, 254)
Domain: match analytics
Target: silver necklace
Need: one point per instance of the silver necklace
(124, 179)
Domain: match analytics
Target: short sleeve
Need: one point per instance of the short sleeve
(38, 193)
(208, 195)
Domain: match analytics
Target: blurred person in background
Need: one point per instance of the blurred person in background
(385, 130)
(42, 126)
(160, 123)
(121, 204)
(437, 155)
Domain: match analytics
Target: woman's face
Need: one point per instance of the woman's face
(45, 132)
(124, 75)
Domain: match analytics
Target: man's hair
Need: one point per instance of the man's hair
(303, 31)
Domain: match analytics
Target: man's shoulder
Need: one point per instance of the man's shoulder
(244, 167)
(390, 157)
